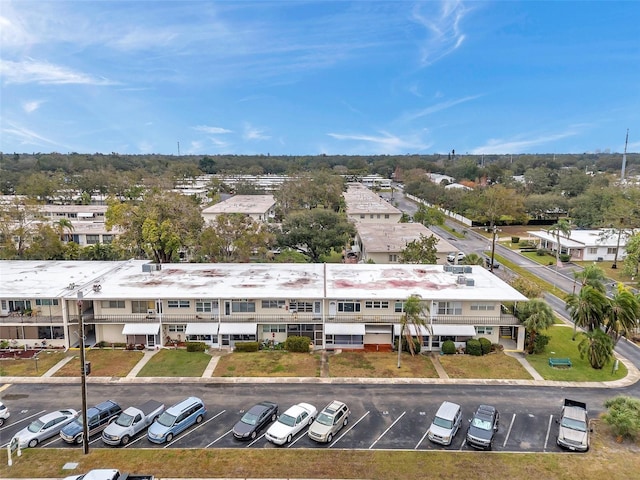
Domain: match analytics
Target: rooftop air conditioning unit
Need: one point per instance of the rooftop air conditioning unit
(151, 267)
(448, 268)
(470, 282)
(462, 280)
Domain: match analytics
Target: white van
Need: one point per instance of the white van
(445, 424)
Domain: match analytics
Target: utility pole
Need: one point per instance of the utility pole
(83, 380)
(494, 230)
(624, 157)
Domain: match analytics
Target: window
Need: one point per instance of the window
(449, 308)
(482, 307)
(386, 215)
(178, 303)
(376, 304)
(275, 328)
(592, 250)
(484, 330)
(176, 328)
(362, 215)
(303, 307)
(140, 306)
(348, 306)
(46, 301)
(272, 303)
(206, 306)
(93, 239)
(398, 307)
(112, 303)
(371, 215)
(243, 306)
(611, 250)
(106, 239)
(344, 340)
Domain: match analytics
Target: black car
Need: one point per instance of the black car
(256, 418)
(482, 427)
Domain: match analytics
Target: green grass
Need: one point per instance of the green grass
(27, 367)
(176, 363)
(561, 346)
(454, 231)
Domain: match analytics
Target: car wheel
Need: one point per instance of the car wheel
(125, 440)
(289, 439)
(329, 438)
(346, 420)
(79, 439)
(169, 437)
(33, 443)
(253, 435)
(1, 421)
(199, 419)
(273, 417)
(310, 420)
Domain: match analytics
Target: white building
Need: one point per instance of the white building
(260, 208)
(586, 245)
(363, 205)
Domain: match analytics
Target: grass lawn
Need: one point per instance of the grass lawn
(606, 459)
(176, 363)
(104, 363)
(27, 367)
(561, 346)
(494, 365)
(380, 365)
(268, 364)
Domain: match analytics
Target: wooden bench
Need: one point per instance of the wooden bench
(560, 362)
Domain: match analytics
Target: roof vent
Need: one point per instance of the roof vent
(470, 282)
(151, 267)
(462, 280)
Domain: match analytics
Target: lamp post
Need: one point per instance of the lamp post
(83, 380)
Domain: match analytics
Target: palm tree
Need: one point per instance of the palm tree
(597, 346)
(562, 227)
(587, 308)
(623, 313)
(472, 259)
(414, 316)
(65, 227)
(536, 315)
(591, 275)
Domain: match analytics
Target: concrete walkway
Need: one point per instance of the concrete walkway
(143, 361)
(527, 366)
(58, 366)
(435, 359)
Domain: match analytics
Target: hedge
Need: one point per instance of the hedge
(246, 346)
(473, 347)
(485, 345)
(196, 346)
(297, 344)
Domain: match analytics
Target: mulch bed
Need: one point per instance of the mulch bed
(18, 353)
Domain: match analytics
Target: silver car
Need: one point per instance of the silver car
(329, 422)
(45, 427)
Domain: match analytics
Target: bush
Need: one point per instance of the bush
(4, 343)
(246, 346)
(448, 347)
(564, 257)
(540, 343)
(297, 344)
(405, 345)
(623, 416)
(196, 346)
(485, 345)
(515, 239)
(473, 347)
(541, 252)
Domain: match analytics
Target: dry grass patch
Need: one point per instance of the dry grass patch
(27, 367)
(268, 364)
(104, 363)
(380, 365)
(494, 365)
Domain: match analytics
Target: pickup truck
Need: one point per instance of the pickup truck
(131, 422)
(573, 432)
(108, 474)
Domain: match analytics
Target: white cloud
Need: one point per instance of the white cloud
(253, 133)
(438, 107)
(443, 28)
(45, 73)
(25, 136)
(519, 145)
(385, 143)
(212, 130)
(31, 106)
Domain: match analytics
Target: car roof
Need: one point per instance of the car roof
(51, 415)
(261, 407)
(183, 405)
(447, 410)
(334, 406)
(485, 411)
(297, 409)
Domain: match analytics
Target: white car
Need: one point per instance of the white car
(4, 413)
(455, 257)
(45, 427)
(290, 423)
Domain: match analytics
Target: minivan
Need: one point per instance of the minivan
(445, 424)
(175, 419)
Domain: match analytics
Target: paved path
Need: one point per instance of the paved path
(143, 361)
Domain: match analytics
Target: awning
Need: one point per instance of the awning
(344, 329)
(238, 328)
(377, 329)
(454, 330)
(201, 329)
(141, 329)
(412, 329)
(85, 215)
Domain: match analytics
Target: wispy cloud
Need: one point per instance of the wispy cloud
(437, 108)
(31, 71)
(444, 34)
(212, 130)
(253, 133)
(27, 137)
(520, 145)
(32, 106)
(385, 143)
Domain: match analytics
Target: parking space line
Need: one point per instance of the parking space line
(144, 435)
(301, 434)
(421, 439)
(546, 440)
(506, 439)
(390, 427)
(349, 429)
(193, 430)
(20, 421)
(257, 439)
(220, 437)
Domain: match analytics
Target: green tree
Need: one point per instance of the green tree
(623, 416)
(19, 223)
(632, 261)
(414, 318)
(64, 227)
(322, 188)
(587, 308)
(623, 313)
(428, 215)
(561, 227)
(315, 232)
(423, 250)
(45, 244)
(536, 315)
(497, 204)
(472, 259)
(597, 347)
(591, 275)
(234, 238)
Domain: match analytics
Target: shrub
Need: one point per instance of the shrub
(623, 416)
(515, 239)
(540, 343)
(564, 257)
(541, 252)
(405, 345)
(246, 346)
(473, 347)
(4, 343)
(297, 344)
(196, 346)
(485, 345)
(448, 347)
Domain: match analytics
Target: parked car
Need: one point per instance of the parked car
(45, 427)
(290, 423)
(483, 427)
(456, 257)
(98, 418)
(131, 422)
(4, 413)
(176, 419)
(487, 262)
(255, 419)
(573, 430)
(329, 422)
(446, 423)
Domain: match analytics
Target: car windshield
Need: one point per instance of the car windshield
(166, 419)
(249, 418)
(124, 420)
(325, 419)
(574, 424)
(35, 426)
(287, 420)
(441, 422)
(481, 424)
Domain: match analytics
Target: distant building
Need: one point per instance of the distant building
(365, 206)
(260, 208)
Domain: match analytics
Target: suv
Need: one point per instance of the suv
(455, 257)
(482, 427)
(4, 413)
(445, 424)
(98, 418)
(329, 422)
(176, 419)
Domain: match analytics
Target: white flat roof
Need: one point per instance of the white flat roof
(585, 238)
(248, 204)
(359, 199)
(394, 237)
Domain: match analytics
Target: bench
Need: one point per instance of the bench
(560, 362)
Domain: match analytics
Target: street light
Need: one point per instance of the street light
(83, 380)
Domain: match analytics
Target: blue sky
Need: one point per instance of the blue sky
(305, 78)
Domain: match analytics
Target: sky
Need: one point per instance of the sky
(328, 77)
